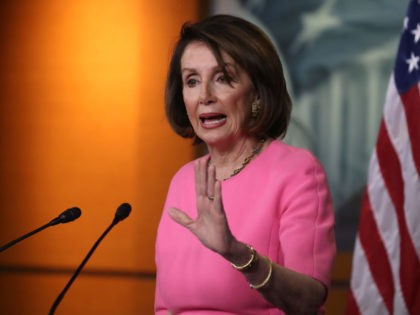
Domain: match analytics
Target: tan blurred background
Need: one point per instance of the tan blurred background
(82, 124)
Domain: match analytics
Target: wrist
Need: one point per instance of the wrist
(264, 282)
(256, 268)
(250, 263)
(242, 257)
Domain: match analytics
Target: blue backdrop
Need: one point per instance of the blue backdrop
(338, 57)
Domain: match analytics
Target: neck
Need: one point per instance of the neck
(230, 161)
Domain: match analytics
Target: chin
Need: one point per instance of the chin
(216, 142)
(217, 138)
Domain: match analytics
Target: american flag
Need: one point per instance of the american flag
(386, 266)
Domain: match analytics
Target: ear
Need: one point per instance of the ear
(256, 96)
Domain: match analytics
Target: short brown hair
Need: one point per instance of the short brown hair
(254, 52)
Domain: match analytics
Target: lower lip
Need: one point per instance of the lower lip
(210, 124)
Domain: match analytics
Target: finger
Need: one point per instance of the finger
(200, 178)
(180, 217)
(211, 179)
(218, 196)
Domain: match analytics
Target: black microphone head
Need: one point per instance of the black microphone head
(70, 215)
(122, 212)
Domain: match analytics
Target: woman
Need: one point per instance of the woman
(247, 228)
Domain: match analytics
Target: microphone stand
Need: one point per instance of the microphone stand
(25, 236)
(122, 212)
(79, 269)
(67, 216)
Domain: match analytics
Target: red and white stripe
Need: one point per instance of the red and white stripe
(386, 262)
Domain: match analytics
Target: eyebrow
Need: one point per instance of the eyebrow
(187, 69)
(218, 67)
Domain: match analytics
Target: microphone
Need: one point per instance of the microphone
(122, 212)
(67, 216)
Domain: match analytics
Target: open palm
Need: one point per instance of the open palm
(210, 226)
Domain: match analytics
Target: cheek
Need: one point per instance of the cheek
(190, 109)
(187, 101)
(189, 98)
(240, 107)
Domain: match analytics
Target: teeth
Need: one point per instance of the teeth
(210, 121)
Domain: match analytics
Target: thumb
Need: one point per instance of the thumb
(180, 217)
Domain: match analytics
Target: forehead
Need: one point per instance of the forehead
(199, 52)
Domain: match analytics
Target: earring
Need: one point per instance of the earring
(255, 108)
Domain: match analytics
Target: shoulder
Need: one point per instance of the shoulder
(184, 174)
(185, 171)
(303, 181)
(289, 157)
(296, 170)
(181, 184)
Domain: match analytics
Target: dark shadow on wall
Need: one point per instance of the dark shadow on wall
(347, 222)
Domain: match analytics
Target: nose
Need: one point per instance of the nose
(206, 94)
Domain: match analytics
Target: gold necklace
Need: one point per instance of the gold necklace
(248, 159)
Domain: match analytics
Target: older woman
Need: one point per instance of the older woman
(249, 227)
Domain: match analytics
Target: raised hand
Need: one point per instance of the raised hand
(210, 226)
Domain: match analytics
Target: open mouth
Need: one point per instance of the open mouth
(208, 119)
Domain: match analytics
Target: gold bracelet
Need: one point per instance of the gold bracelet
(250, 263)
(267, 279)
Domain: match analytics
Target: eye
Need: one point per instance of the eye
(221, 78)
(191, 82)
(225, 78)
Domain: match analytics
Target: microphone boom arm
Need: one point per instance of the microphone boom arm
(79, 269)
(67, 216)
(122, 212)
(4, 247)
